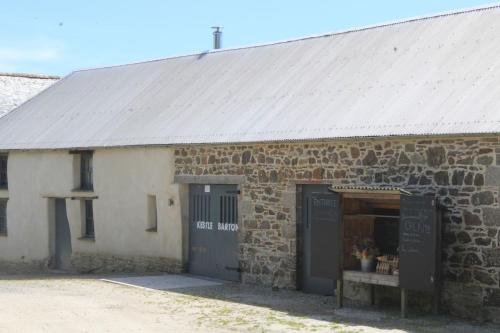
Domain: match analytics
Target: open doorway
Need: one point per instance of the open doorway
(370, 235)
(62, 237)
(390, 237)
(371, 232)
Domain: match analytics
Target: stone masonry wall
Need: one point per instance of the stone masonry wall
(24, 266)
(97, 263)
(464, 172)
(107, 263)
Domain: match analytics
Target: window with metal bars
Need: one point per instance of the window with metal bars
(228, 209)
(3, 171)
(86, 172)
(3, 217)
(89, 219)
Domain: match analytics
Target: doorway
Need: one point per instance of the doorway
(320, 220)
(62, 236)
(213, 231)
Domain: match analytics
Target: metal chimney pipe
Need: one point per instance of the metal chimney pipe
(217, 37)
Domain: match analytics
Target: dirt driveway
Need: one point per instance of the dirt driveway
(61, 303)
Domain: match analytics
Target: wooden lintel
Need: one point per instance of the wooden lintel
(370, 195)
(81, 151)
(384, 205)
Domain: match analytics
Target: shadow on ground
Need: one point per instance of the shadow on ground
(292, 309)
(301, 305)
(322, 308)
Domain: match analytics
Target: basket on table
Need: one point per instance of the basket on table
(388, 264)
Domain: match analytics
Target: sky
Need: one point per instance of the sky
(56, 37)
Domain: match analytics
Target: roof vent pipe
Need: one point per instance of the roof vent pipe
(217, 37)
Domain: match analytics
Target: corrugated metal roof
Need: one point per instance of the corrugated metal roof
(430, 76)
(368, 189)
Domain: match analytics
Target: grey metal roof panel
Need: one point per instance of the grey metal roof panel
(432, 76)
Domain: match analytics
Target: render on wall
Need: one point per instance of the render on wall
(124, 181)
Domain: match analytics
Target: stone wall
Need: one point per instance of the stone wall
(97, 263)
(464, 172)
(23, 266)
(104, 263)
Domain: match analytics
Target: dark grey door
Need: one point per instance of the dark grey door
(63, 237)
(320, 239)
(419, 239)
(213, 231)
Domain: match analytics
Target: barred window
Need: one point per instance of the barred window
(89, 219)
(86, 182)
(3, 217)
(3, 171)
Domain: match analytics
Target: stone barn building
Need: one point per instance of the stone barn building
(265, 164)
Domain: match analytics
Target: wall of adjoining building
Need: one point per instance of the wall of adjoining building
(123, 179)
(463, 172)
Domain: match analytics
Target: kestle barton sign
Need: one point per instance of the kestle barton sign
(207, 225)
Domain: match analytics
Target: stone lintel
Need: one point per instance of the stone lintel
(229, 179)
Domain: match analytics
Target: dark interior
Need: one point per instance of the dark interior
(374, 216)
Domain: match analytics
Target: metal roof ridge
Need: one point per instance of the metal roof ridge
(322, 35)
(31, 76)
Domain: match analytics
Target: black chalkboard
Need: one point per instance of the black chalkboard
(325, 233)
(418, 243)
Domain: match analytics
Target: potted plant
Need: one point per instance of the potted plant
(366, 251)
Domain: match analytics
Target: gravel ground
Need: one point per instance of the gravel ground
(64, 303)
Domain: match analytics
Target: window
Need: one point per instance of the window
(152, 214)
(89, 219)
(3, 217)
(86, 182)
(3, 171)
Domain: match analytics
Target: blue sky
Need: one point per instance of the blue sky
(57, 37)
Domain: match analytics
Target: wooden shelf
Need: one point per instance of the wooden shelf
(371, 278)
(371, 215)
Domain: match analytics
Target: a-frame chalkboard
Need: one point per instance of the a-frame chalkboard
(419, 236)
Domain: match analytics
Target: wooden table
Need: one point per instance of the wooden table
(372, 279)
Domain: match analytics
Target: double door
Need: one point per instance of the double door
(213, 231)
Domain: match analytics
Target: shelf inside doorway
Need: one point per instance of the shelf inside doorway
(371, 215)
(371, 278)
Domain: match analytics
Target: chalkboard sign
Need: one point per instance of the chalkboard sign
(418, 243)
(325, 231)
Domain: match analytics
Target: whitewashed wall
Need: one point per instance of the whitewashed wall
(123, 178)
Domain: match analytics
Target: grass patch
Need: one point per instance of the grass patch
(291, 324)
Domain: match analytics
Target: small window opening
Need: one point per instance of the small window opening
(3, 171)
(3, 217)
(89, 219)
(152, 214)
